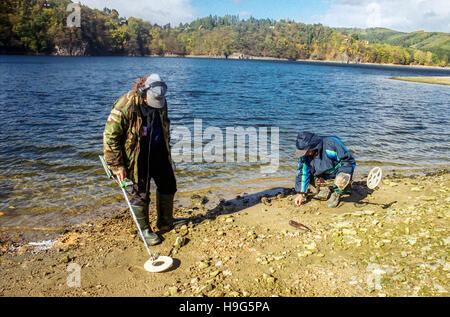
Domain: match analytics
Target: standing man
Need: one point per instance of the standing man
(322, 158)
(136, 145)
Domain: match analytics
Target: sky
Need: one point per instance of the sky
(400, 15)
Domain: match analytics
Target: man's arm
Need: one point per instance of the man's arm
(113, 138)
(303, 176)
(302, 180)
(339, 152)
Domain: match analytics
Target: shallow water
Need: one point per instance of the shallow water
(53, 111)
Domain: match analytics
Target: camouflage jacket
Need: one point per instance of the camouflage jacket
(121, 138)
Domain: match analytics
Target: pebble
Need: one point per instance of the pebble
(195, 280)
(265, 201)
(179, 242)
(311, 246)
(202, 265)
(280, 196)
(173, 290)
(348, 231)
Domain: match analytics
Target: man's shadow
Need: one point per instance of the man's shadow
(359, 192)
(231, 206)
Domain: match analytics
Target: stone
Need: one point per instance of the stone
(179, 242)
(195, 280)
(311, 246)
(265, 201)
(202, 265)
(199, 200)
(173, 290)
(348, 231)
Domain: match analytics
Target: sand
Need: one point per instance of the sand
(438, 80)
(393, 241)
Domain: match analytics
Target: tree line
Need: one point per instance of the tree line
(39, 27)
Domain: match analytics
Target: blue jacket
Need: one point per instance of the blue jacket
(332, 158)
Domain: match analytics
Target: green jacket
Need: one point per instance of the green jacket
(121, 138)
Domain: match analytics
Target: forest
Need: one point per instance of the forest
(40, 27)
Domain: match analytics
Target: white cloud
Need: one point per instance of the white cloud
(400, 15)
(154, 11)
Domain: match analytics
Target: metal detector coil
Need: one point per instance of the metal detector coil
(374, 177)
(160, 264)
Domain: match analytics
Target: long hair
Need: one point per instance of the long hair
(138, 83)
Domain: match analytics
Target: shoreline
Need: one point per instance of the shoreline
(244, 247)
(249, 58)
(211, 192)
(436, 80)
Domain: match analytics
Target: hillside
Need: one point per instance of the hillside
(40, 27)
(435, 42)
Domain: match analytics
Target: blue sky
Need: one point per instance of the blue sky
(400, 15)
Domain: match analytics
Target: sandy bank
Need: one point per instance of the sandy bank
(393, 241)
(428, 80)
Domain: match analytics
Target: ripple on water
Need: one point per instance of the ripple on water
(49, 152)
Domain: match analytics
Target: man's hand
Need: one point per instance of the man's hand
(319, 181)
(121, 174)
(300, 199)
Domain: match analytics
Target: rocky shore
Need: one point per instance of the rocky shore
(393, 241)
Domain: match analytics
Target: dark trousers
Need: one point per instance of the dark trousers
(160, 170)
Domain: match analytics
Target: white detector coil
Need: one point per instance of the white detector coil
(374, 178)
(161, 264)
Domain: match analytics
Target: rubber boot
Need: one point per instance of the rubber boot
(333, 202)
(324, 193)
(164, 209)
(313, 189)
(141, 213)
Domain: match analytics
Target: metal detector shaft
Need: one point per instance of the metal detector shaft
(134, 218)
(110, 175)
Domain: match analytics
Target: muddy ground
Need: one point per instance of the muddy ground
(393, 241)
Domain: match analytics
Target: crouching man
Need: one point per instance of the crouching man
(136, 145)
(322, 159)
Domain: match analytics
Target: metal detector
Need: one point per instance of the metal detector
(342, 180)
(156, 263)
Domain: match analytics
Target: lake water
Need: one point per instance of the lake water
(53, 111)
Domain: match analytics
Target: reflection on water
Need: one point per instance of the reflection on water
(53, 111)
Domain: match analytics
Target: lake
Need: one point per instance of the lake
(53, 111)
